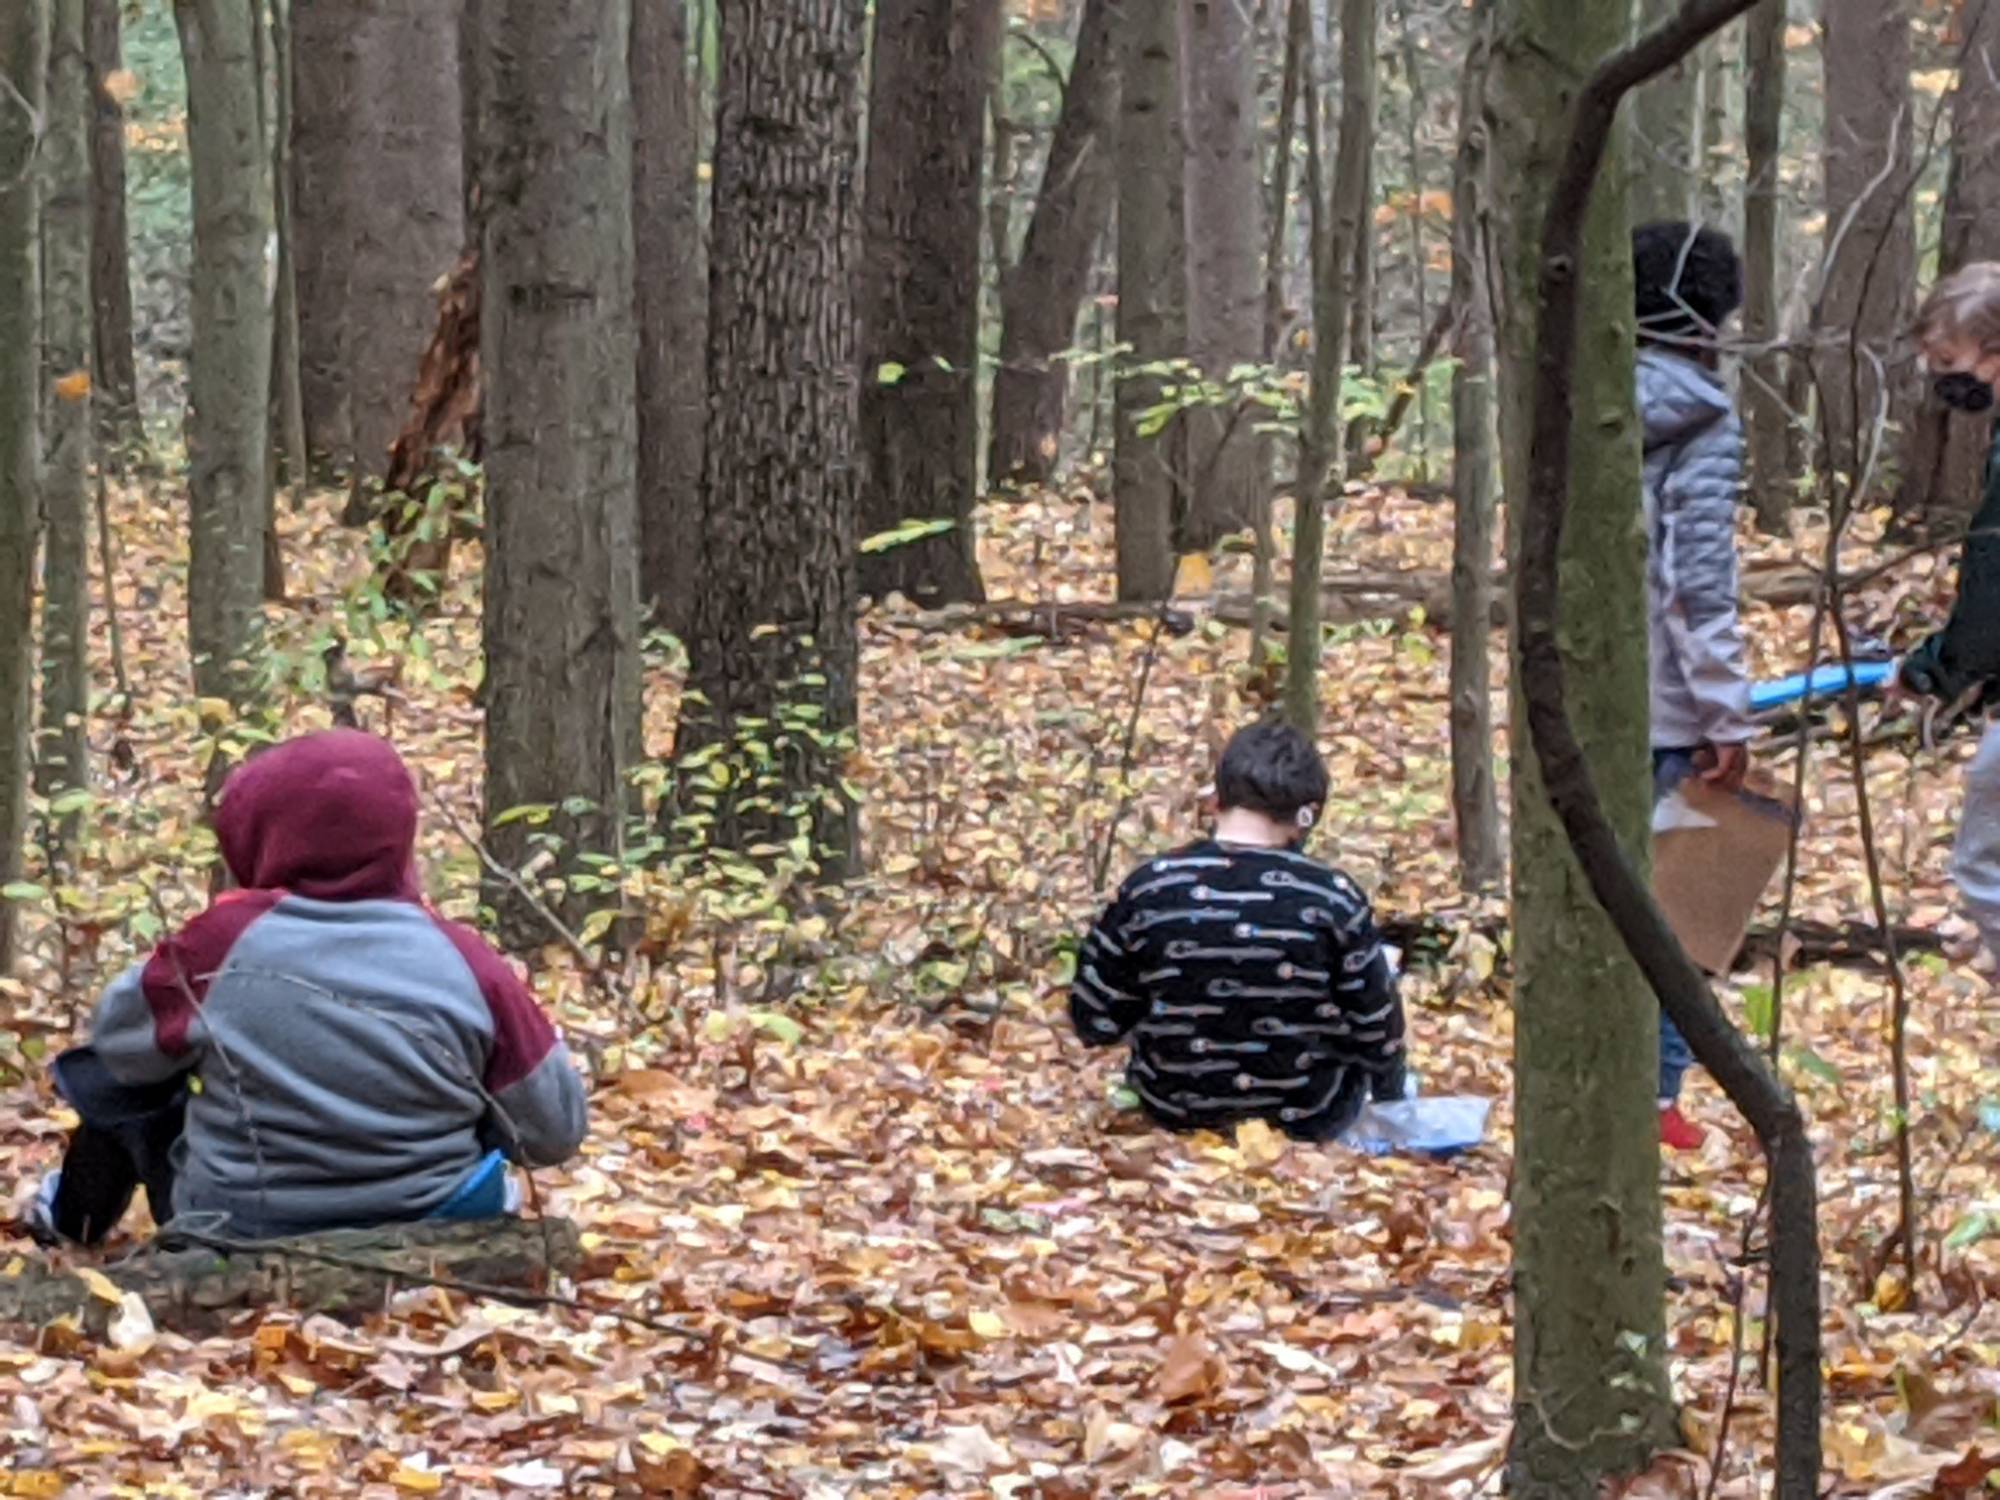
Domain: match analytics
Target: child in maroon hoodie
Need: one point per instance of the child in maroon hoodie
(357, 1059)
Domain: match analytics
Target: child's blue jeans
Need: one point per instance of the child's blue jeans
(1670, 769)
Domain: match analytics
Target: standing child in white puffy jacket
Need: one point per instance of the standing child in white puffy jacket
(1688, 283)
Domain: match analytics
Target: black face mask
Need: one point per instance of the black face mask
(1964, 392)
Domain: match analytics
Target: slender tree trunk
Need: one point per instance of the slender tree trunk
(1042, 293)
(406, 223)
(772, 653)
(672, 290)
(24, 41)
(322, 125)
(288, 413)
(1225, 239)
(117, 377)
(1340, 214)
(920, 292)
(560, 364)
(1361, 298)
(1591, 1395)
(1870, 278)
(62, 761)
(230, 381)
(1482, 854)
(267, 91)
(1665, 132)
(1766, 418)
(1151, 469)
(1943, 458)
(1719, 66)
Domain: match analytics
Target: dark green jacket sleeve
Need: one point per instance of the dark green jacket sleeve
(1966, 653)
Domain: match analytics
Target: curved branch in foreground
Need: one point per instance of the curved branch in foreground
(1682, 989)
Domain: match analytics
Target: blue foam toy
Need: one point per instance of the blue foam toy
(1824, 683)
(1440, 1127)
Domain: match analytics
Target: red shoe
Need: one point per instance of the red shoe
(1677, 1131)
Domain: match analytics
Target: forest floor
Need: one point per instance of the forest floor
(925, 1251)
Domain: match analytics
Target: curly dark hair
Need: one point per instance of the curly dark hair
(1687, 280)
(1269, 767)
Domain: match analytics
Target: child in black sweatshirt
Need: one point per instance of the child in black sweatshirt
(1250, 978)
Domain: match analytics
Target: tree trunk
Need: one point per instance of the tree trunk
(23, 71)
(117, 377)
(1151, 468)
(1719, 66)
(267, 97)
(1042, 293)
(288, 412)
(1943, 459)
(1591, 1396)
(322, 124)
(920, 293)
(62, 753)
(559, 357)
(406, 224)
(1766, 417)
(1361, 298)
(1482, 857)
(1225, 245)
(230, 380)
(1664, 132)
(772, 653)
(1339, 219)
(672, 291)
(1870, 231)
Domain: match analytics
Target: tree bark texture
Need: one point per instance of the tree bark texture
(405, 223)
(671, 287)
(1766, 417)
(228, 426)
(1043, 292)
(62, 751)
(920, 293)
(1870, 273)
(117, 377)
(322, 105)
(559, 359)
(1591, 1395)
(1482, 855)
(772, 653)
(288, 411)
(1943, 457)
(1225, 237)
(1664, 135)
(24, 71)
(1151, 470)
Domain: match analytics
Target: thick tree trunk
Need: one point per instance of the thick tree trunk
(62, 761)
(1591, 1396)
(1482, 856)
(1766, 418)
(117, 377)
(1225, 237)
(1664, 132)
(228, 423)
(1042, 293)
(1151, 470)
(405, 225)
(672, 291)
(559, 361)
(1870, 276)
(322, 124)
(920, 293)
(1943, 458)
(772, 652)
(23, 71)
(1339, 219)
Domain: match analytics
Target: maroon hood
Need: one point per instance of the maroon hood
(330, 816)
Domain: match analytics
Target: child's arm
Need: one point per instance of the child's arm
(1104, 999)
(126, 1033)
(1698, 502)
(149, 1024)
(1366, 989)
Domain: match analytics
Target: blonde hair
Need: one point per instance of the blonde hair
(1964, 308)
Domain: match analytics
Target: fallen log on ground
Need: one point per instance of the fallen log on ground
(199, 1286)
(1053, 619)
(1428, 939)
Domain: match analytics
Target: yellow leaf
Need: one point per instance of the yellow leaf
(1195, 576)
(417, 1481)
(102, 1287)
(215, 711)
(42, 1484)
(1259, 1144)
(988, 1325)
(74, 386)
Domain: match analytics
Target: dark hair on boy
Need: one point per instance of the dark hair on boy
(1687, 281)
(1270, 768)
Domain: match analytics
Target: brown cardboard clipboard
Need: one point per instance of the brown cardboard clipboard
(1708, 879)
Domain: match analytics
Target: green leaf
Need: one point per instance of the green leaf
(1124, 1098)
(1808, 1061)
(890, 373)
(1969, 1230)
(905, 534)
(23, 890)
(532, 813)
(597, 924)
(784, 1028)
(1757, 1008)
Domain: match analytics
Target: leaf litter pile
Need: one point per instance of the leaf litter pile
(881, 1227)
